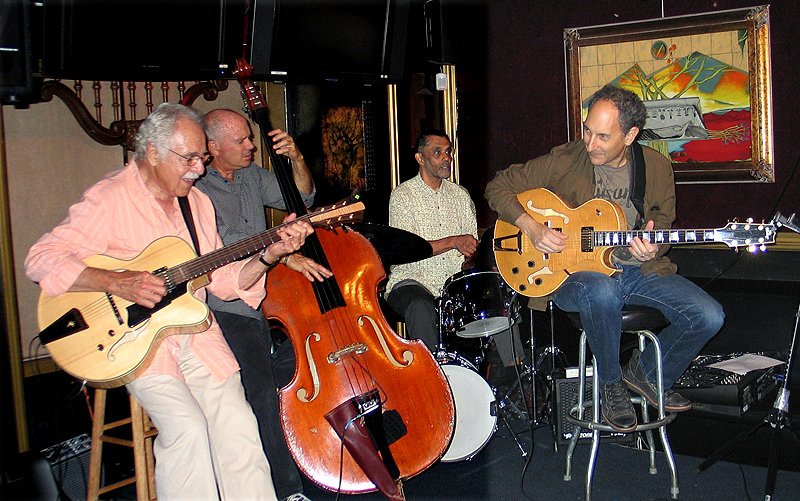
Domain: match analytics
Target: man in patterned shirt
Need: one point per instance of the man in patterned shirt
(442, 213)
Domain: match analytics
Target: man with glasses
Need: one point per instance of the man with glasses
(442, 213)
(207, 445)
(240, 190)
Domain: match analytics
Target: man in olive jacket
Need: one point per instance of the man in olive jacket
(607, 165)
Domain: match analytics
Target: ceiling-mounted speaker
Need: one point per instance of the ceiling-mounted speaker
(16, 69)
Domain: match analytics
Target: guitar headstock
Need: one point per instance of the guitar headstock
(345, 212)
(748, 234)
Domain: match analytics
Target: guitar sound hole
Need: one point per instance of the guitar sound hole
(515, 270)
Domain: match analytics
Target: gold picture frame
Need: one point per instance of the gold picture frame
(706, 80)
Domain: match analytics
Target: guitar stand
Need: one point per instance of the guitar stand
(778, 417)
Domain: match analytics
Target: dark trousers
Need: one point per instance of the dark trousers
(417, 306)
(250, 341)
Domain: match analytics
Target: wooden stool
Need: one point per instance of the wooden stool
(142, 432)
(642, 321)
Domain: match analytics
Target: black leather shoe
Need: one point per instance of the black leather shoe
(616, 407)
(634, 377)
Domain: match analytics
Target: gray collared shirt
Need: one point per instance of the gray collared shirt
(240, 212)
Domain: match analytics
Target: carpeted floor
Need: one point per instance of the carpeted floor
(499, 472)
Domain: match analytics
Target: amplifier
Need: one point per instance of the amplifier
(69, 462)
(721, 392)
(566, 390)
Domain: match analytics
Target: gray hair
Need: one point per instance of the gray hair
(632, 112)
(160, 125)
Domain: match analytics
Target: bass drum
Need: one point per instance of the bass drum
(474, 399)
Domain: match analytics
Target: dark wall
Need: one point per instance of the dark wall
(513, 104)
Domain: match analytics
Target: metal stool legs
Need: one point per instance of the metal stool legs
(142, 434)
(576, 417)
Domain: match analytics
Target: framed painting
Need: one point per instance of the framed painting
(705, 80)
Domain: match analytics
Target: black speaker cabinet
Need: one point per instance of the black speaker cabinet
(16, 77)
(566, 390)
(69, 462)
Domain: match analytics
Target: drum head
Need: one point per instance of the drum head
(484, 327)
(475, 424)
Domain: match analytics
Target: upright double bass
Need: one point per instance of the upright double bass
(357, 384)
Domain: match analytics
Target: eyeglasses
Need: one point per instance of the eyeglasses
(206, 158)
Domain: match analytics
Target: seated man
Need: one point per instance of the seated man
(442, 213)
(604, 165)
(208, 443)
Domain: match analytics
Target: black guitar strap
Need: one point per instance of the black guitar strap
(638, 179)
(186, 210)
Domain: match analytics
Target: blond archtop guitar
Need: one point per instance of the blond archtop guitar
(107, 341)
(595, 229)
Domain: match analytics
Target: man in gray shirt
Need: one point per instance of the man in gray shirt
(240, 189)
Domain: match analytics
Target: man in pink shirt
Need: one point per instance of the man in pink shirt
(208, 444)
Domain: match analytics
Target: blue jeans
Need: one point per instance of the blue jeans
(695, 317)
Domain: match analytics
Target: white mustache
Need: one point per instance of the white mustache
(191, 176)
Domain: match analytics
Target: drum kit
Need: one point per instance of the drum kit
(475, 306)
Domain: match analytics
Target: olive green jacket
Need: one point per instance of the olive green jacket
(568, 172)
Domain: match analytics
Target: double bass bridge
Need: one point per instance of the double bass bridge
(351, 349)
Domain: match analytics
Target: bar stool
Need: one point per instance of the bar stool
(142, 435)
(641, 321)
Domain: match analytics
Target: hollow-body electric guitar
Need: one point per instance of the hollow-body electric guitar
(595, 229)
(107, 341)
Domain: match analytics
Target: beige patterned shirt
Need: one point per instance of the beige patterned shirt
(432, 214)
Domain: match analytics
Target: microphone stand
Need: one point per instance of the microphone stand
(778, 417)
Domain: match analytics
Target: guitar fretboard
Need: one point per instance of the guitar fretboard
(334, 215)
(733, 235)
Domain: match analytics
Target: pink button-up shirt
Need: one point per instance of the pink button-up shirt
(119, 217)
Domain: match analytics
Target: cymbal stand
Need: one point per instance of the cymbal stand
(778, 417)
(506, 403)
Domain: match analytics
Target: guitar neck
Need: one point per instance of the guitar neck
(335, 215)
(218, 258)
(733, 236)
